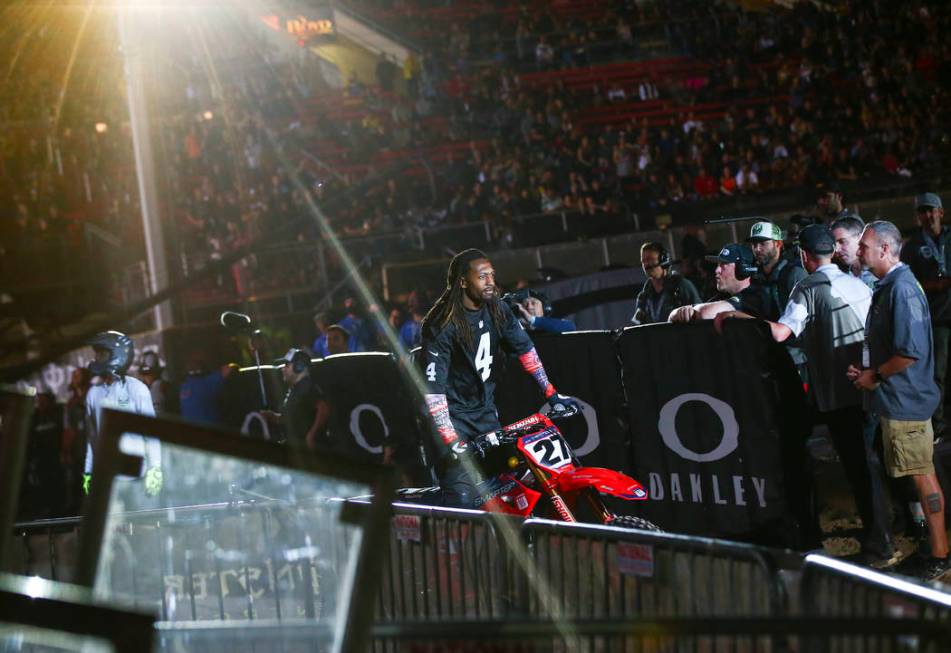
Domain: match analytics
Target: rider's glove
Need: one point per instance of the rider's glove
(461, 448)
(564, 401)
(153, 481)
(87, 479)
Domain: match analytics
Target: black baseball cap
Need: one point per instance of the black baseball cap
(817, 239)
(734, 253)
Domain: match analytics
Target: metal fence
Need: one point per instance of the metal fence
(601, 571)
(700, 635)
(444, 563)
(833, 588)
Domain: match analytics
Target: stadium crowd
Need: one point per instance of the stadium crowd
(777, 101)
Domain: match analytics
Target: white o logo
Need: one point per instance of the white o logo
(255, 416)
(358, 434)
(593, 437)
(668, 429)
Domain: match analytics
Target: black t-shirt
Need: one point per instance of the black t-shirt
(753, 300)
(300, 408)
(463, 371)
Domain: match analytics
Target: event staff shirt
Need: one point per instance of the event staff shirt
(651, 306)
(299, 409)
(899, 324)
(827, 311)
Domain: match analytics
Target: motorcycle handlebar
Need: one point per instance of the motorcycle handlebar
(509, 436)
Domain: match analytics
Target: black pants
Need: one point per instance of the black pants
(942, 334)
(853, 437)
(457, 488)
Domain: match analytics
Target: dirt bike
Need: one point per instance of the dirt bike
(530, 460)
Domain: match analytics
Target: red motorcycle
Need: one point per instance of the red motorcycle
(531, 470)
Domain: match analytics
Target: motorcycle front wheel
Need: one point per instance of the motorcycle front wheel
(637, 523)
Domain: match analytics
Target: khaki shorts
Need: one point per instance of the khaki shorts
(909, 447)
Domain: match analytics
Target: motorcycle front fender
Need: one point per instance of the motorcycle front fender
(606, 481)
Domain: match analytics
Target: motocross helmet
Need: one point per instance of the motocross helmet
(113, 353)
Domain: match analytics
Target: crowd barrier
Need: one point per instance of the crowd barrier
(699, 635)
(834, 588)
(597, 571)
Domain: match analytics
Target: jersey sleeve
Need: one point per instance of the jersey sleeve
(435, 356)
(514, 337)
(796, 314)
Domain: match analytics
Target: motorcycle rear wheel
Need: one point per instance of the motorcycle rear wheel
(637, 523)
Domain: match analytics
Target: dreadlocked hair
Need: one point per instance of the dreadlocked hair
(449, 307)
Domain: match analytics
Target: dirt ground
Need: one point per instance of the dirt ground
(838, 517)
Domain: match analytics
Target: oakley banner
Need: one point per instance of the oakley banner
(583, 364)
(708, 416)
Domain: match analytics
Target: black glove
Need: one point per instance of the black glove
(461, 448)
(560, 402)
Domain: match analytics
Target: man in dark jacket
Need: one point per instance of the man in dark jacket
(664, 291)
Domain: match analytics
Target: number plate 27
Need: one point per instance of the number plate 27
(546, 449)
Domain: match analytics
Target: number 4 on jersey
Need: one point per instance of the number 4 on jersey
(431, 372)
(483, 357)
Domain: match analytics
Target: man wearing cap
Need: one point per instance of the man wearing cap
(339, 340)
(735, 267)
(776, 274)
(304, 412)
(929, 257)
(896, 372)
(827, 312)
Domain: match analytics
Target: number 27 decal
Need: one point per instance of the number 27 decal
(551, 452)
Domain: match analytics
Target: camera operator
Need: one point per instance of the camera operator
(534, 312)
(304, 412)
(664, 291)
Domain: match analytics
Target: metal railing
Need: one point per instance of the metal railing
(602, 571)
(834, 588)
(444, 563)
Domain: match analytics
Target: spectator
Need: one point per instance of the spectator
(664, 291)
(827, 311)
(150, 373)
(897, 374)
(321, 323)
(735, 267)
(929, 256)
(200, 392)
(410, 332)
(338, 340)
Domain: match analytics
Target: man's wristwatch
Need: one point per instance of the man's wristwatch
(878, 376)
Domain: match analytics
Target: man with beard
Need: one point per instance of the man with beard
(776, 274)
(462, 334)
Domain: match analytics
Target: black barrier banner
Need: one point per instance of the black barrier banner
(582, 364)
(706, 414)
(371, 405)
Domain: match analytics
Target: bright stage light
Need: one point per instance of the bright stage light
(208, 115)
(101, 128)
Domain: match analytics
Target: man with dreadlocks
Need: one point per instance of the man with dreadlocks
(460, 337)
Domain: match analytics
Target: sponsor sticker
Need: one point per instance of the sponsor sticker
(635, 559)
(407, 528)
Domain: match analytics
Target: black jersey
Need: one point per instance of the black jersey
(463, 371)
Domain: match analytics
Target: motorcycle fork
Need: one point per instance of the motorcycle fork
(557, 501)
(602, 512)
